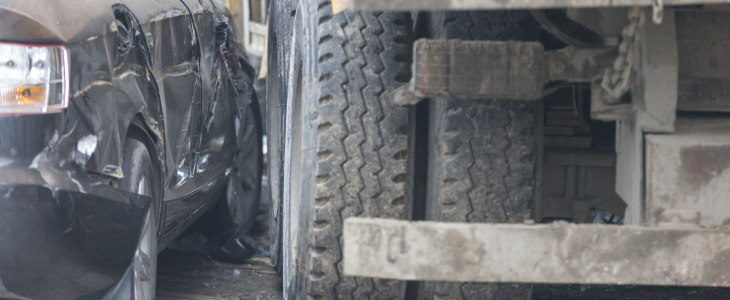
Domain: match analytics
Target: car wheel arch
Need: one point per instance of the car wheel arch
(139, 130)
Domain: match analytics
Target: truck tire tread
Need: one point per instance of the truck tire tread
(364, 141)
(482, 154)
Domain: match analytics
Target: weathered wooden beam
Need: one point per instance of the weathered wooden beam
(497, 69)
(409, 5)
(546, 253)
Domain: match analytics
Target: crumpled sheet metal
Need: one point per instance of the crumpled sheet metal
(132, 62)
(197, 131)
(141, 62)
(109, 87)
(125, 65)
(152, 63)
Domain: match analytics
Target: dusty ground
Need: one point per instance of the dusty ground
(193, 276)
(189, 275)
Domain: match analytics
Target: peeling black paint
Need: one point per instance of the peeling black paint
(178, 72)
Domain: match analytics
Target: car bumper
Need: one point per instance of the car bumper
(64, 244)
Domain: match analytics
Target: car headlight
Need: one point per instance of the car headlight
(33, 78)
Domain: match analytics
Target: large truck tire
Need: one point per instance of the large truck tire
(351, 147)
(482, 153)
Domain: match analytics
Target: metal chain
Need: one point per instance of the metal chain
(657, 11)
(617, 79)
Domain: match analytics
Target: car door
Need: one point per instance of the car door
(170, 33)
(217, 109)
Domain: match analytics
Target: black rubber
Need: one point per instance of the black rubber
(136, 164)
(230, 222)
(364, 142)
(244, 188)
(482, 153)
(140, 178)
(98, 241)
(281, 16)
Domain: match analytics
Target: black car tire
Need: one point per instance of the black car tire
(228, 225)
(482, 153)
(351, 147)
(140, 178)
(281, 19)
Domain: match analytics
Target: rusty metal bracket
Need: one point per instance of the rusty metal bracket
(546, 253)
(495, 70)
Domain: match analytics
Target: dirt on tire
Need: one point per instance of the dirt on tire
(482, 153)
(364, 153)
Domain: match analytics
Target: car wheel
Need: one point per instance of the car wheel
(244, 186)
(349, 148)
(228, 225)
(140, 178)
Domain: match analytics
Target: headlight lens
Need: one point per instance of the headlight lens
(33, 78)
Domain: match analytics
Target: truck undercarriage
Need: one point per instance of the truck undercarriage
(613, 114)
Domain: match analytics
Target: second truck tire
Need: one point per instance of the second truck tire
(351, 147)
(482, 153)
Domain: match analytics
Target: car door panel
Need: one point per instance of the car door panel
(170, 32)
(176, 64)
(217, 144)
(173, 43)
(218, 111)
(185, 38)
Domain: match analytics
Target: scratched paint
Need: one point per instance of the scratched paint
(148, 65)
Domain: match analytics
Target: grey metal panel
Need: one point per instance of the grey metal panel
(704, 64)
(653, 109)
(553, 253)
(657, 91)
(687, 174)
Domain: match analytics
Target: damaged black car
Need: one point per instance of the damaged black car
(121, 123)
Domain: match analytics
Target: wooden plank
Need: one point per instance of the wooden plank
(545, 253)
(408, 5)
(339, 5)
